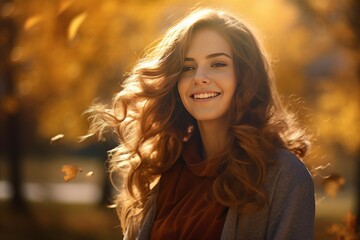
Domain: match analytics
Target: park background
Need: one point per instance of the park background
(58, 56)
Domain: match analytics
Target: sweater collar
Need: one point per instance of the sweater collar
(193, 157)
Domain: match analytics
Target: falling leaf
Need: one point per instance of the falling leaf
(75, 25)
(333, 184)
(64, 5)
(70, 171)
(89, 174)
(31, 21)
(56, 138)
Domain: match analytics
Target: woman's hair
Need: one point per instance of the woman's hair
(151, 122)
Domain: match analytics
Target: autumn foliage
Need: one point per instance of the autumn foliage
(66, 53)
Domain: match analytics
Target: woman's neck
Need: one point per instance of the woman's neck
(214, 136)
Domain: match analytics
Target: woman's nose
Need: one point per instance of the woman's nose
(200, 76)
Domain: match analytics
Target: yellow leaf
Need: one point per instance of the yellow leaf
(31, 21)
(75, 25)
(56, 138)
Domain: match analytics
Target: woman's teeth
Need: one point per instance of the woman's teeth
(205, 95)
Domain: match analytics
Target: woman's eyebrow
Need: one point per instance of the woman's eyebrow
(210, 56)
(218, 54)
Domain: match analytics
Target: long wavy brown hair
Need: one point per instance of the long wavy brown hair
(151, 122)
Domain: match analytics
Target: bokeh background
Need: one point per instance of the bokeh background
(58, 56)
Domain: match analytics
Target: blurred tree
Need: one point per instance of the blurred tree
(58, 57)
(71, 52)
(336, 72)
(10, 107)
(354, 20)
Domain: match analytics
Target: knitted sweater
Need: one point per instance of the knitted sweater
(289, 214)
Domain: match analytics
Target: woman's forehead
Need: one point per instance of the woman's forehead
(207, 41)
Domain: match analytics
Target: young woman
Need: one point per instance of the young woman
(207, 151)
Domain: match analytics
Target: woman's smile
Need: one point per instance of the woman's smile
(205, 95)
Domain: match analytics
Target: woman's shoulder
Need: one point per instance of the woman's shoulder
(288, 168)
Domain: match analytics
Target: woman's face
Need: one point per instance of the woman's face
(208, 81)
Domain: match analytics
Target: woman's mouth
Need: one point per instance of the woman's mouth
(205, 95)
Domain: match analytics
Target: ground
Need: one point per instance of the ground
(54, 221)
(72, 210)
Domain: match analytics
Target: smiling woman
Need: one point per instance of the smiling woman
(207, 151)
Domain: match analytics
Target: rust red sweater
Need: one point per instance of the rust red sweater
(185, 208)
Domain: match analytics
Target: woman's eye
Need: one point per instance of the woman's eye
(187, 68)
(218, 64)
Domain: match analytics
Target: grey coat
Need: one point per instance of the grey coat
(289, 215)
